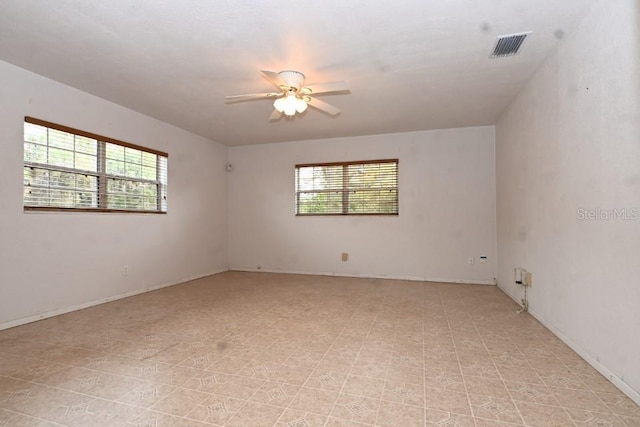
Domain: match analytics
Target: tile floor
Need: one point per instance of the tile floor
(244, 349)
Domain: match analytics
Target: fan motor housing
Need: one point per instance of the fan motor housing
(294, 79)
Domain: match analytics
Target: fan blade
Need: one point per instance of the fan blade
(326, 88)
(250, 96)
(323, 106)
(274, 78)
(275, 115)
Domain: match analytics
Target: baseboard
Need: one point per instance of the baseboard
(35, 318)
(365, 276)
(462, 282)
(591, 360)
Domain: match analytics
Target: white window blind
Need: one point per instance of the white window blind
(69, 169)
(347, 188)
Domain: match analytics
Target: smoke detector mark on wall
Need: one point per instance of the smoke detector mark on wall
(509, 45)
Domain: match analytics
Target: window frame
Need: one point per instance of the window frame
(100, 174)
(345, 189)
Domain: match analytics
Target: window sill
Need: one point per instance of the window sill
(90, 210)
(350, 214)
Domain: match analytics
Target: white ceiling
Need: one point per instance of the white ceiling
(412, 64)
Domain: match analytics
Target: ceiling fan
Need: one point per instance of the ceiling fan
(293, 97)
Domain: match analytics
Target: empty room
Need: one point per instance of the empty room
(330, 213)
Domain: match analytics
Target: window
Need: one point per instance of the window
(350, 188)
(69, 169)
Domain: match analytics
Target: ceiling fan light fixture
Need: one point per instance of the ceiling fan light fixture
(290, 104)
(279, 104)
(301, 105)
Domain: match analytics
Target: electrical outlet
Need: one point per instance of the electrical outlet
(483, 259)
(470, 260)
(345, 256)
(125, 270)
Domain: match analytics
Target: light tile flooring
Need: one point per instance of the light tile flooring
(243, 349)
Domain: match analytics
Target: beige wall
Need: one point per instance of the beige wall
(51, 262)
(570, 141)
(447, 209)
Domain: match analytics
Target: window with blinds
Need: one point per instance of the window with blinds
(69, 169)
(347, 188)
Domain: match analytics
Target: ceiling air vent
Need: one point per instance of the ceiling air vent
(509, 45)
